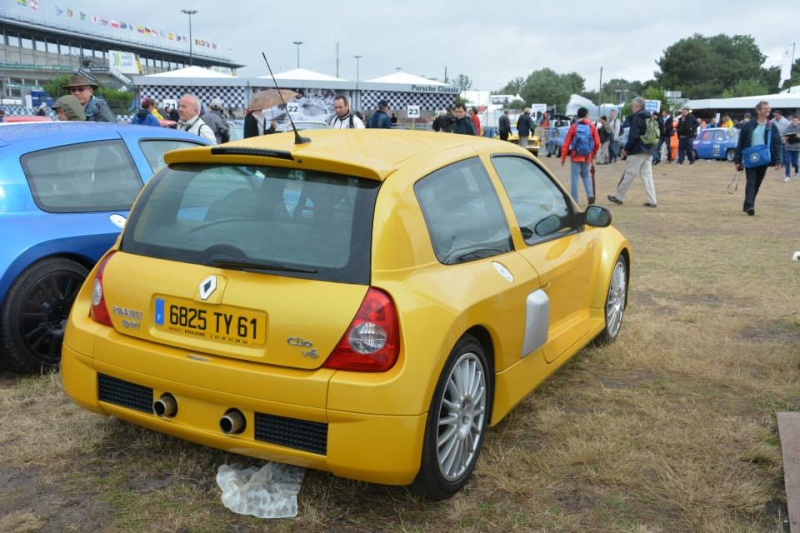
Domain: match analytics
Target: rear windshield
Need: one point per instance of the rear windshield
(295, 223)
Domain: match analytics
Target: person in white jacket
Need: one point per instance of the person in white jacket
(344, 119)
(189, 113)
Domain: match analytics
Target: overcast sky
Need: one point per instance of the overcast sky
(491, 41)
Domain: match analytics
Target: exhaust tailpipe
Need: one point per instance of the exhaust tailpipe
(166, 406)
(233, 422)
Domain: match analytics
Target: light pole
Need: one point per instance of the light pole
(358, 78)
(297, 44)
(190, 12)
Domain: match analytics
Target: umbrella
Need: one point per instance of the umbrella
(270, 98)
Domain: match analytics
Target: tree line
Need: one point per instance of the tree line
(697, 66)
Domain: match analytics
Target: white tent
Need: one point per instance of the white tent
(191, 72)
(406, 78)
(302, 74)
(777, 101)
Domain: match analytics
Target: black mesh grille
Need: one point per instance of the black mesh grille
(300, 434)
(122, 393)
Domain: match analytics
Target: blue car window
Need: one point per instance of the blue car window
(81, 178)
(463, 213)
(541, 208)
(154, 150)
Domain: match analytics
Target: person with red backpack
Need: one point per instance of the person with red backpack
(581, 143)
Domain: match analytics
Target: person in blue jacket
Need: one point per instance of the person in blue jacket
(145, 115)
(380, 118)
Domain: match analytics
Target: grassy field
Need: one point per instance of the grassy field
(671, 429)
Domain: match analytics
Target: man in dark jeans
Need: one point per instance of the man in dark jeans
(504, 126)
(755, 132)
(667, 130)
(687, 129)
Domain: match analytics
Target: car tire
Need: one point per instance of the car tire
(35, 313)
(730, 155)
(616, 301)
(457, 422)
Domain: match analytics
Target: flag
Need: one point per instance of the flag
(786, 65)
(22, 2)
(59, 11)
(95, 19)
(83, 15)
(34, 4)
(114, 24)
(70, 13)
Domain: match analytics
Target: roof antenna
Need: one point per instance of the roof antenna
(297, 138)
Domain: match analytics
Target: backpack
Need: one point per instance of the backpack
(583, 142)
(651, 132)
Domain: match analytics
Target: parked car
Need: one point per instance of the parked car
(65, 191)
(302, 125)
(533, 140)
(13, 119)
(555, 139)
(716, 143)
(343, 306)
(236, 129)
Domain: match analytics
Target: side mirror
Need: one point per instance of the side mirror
(597, 216)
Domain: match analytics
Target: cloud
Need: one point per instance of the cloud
(492, 42)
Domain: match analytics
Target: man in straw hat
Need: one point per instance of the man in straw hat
(96, 109)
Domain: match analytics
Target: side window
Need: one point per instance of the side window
(541, 208)
(86, 177)
(463, 213)
(154, 150)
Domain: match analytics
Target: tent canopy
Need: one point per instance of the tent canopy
(304, 75)
(777, 101)
(190, 72)
(406, 78)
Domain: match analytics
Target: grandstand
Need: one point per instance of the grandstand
(34, 51)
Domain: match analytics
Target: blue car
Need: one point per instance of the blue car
(65, 192)
(554, 139)
(716, 143)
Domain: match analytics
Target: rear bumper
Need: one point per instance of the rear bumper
(383, 449)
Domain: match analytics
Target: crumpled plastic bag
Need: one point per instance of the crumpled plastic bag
(266, 492)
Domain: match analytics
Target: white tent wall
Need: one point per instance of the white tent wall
(786, 102)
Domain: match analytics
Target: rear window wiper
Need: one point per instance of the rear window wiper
(259, 266)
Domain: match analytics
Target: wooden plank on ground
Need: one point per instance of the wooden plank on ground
(789, 431)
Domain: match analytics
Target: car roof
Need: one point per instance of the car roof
(20, 132)
(369, 153)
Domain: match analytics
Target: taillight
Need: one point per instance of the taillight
(99, 310)
(372, 342)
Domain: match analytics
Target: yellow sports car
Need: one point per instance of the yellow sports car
(533, 141)
(367, 303)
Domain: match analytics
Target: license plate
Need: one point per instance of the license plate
(215, 323)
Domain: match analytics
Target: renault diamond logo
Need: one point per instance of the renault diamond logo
(207, 287)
